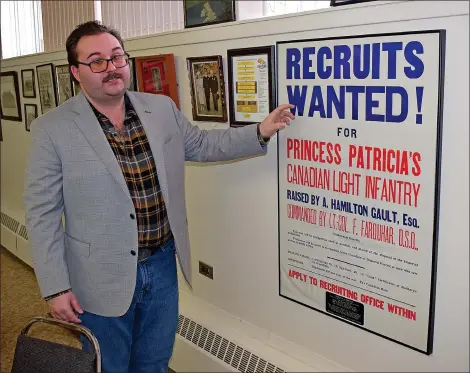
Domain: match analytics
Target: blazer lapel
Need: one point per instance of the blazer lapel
(155, 135)
(89, 125)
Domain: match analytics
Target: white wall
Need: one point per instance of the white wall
(233, 207)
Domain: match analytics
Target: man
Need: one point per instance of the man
(112, 162)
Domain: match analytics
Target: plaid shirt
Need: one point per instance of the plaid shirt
(133, 153)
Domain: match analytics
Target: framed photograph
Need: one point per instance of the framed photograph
(206, 76)
(76, 87)
(157, 74)
(64, 83)
(251, 74)
(47, 87)
(28, 83)
(30, 114)
(10, 108)
(205, 12)
(133, 84)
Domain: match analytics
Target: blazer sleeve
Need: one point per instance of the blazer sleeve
(217, 144)
(44, 205)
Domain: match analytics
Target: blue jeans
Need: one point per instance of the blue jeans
(142, 339)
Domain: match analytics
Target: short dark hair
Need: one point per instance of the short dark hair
(87, 29)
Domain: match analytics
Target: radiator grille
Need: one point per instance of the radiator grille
(9, 222)
(23, 233)
(222, 348)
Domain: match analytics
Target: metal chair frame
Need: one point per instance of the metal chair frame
(71, 326)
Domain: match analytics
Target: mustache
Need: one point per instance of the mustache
(112, 75)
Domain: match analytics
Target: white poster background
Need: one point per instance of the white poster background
(260, 68)
(304, 247)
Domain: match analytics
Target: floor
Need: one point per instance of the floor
(20, 302)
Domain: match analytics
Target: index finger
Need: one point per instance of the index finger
(284, 107)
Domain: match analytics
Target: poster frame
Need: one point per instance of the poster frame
(168, 61)
(270, 50)
(437, 181)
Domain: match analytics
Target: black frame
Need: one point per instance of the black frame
(270, 51)
(232, 19)
(56, 77)
(34, 83)
(348, 2)
(219, 60)
(54, 85)
(432, 295)
(26, 116)
(18, 118)
(133, 86)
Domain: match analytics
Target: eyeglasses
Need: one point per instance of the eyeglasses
(101, 64)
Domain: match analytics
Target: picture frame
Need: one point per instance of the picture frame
(199, 13)
(28, 83)
(64, 83)
(30, 114)
(347, 2)
(47, 87)
(207, 82)
(251, 84)
(76, 87)
(157, 74)
(10, 106)
(133, 82)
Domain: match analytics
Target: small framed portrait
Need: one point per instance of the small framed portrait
(47, 87)
(133, 82)
(206, 76)
(157, 75)
(10, 108)
(206, 12)
(251, 87)
(64, 83)
(30, 114)
(28, 83)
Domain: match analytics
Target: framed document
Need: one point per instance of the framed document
(157, 74)
(251, 73)
(30, 114)
(64, 83)
(28, 83)
(47, 87)
(10, 108)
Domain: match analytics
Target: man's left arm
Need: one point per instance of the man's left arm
(226, 144)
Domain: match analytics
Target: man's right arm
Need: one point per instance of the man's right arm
(44, 205)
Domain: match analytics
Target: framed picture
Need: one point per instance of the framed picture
(347, 2)
(10, 108)
(30, 114)
(76, 87)
(64, 83)
(133, 84)
(251, 74)
(47, 87)
(28, 83)
(205, 12)
(206, 76)
(157, 74)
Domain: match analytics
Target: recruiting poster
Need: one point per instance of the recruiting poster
(251, 88)
(359, 179)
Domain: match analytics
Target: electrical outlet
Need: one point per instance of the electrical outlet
(206, 270)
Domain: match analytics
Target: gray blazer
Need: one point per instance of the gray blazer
(72, 172)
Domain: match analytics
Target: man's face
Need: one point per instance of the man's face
(112, 82)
